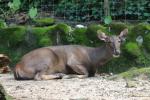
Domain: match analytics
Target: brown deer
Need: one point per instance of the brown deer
(68, 61)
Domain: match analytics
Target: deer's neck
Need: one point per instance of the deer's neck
(101, 55)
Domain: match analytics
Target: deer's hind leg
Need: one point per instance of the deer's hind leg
(80, 72)
(47, 74)
(47, 77)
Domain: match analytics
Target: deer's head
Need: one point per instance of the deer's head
(113, 42)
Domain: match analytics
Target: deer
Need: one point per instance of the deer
(68, 61)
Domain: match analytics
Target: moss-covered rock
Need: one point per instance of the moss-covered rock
(44, 21)
(79, 36)
(117, 27)
(92, 33)
(131, 49)
(63, 28)
(135, 72)
(42, 35)
(59, 33)
(45, 41)
(12, 36)
(39, 31)
(141, 29)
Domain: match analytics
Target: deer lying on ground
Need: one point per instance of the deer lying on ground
(68, 61)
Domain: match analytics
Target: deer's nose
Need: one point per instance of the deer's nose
(117, 52)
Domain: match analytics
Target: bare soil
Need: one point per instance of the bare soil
(94, 88)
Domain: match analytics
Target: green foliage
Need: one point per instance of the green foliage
(32, 12)
(117, 65)
(69, 8)
(2, 24)
(107, 20)
(85, 10)
(15, 5)
(137, 10)
(23, 39)
(44, 21)
(80, 10)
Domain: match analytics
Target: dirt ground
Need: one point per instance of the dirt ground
(95, 88)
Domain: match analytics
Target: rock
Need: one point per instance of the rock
(130, 84)
(4, 62)
(80, 26)
(44, 22)
(2, 93)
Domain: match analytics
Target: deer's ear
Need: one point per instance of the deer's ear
(124, 33)
(102, 36)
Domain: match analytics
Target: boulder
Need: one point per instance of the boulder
(2, 93)
(4, 62)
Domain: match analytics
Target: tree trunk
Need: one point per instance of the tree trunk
(106, 8)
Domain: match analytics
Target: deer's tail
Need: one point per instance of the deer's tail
(19, 73)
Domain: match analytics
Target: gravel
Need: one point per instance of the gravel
(95, 88)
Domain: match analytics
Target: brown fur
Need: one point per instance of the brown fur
(66, 61)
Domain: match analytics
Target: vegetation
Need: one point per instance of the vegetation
(45, 31)
(22, 39)
(44, 21)
(86, 10)
(78, 10)
(143, 73)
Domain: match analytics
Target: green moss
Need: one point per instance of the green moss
(147, 42)
(80, 37)
(132, 73)
(42, 35)
(117, 27)
(12, 35)
(132, 50)
(39, 31)
(92, 33)
(63, 28)
(47, 35)
(44, 21)
(45, 41)
(135, 72)
(139, 30)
